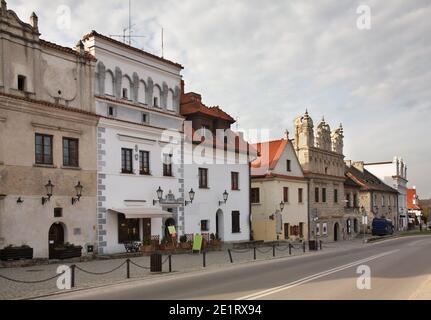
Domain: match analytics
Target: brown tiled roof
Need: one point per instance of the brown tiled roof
(276, 175)
(275, 149)
(49, 104)
(55, 46)
(367, 180)
(96, 34)
(191, 104)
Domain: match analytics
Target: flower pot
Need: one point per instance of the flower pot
(16, 253)
(147, 248)
(185, 245)
(62, 253)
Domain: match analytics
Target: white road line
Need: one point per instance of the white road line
(264, 293)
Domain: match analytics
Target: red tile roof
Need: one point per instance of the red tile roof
(275, 149)
(96, 34)
(411, 195)
(191, 103)
(57, 47)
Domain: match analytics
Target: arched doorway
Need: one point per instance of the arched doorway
(169, 222)
(336, 231)
(219, 224)
(56, 236)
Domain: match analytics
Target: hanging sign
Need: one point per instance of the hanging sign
(172, 231)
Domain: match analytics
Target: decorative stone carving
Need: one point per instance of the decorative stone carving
(337, 140)
(323, 136)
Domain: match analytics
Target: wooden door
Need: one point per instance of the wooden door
(147, 229)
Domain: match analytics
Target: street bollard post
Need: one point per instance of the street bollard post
(254, 253)
(290, 249)
(303, 247)
(170, 263)
(128, 268)
(72, 276)
(204, 256)
(230, 255)
(273, 251)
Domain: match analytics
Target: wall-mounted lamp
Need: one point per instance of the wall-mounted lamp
(20, 201)
(78, 189)
(225, 197)
(159, 196)
(191, 196)
(49, 187)
(281, 206)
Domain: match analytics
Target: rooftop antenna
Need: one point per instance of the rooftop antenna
(163, 48)
(129, 29)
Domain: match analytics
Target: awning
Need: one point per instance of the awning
(139, 212)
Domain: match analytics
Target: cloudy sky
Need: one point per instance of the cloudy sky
(264, 64)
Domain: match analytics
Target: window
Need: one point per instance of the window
(205, 225)
(70, 152)
(326, 170)
(144, 162)
(111, 111)
(145, 118)
(285, 194)
(43, 149)
(348, 200)
(235, 222)
(128, 229)
(383, 201)
(300, 195)
(167, 165)
(335, 195)
(318, 229)
(203, 178)
(301, 229)
(126, 160)
(125, 93)
(235, 180)
(58, 212)
(156, 101)
(21, 83)
(288, 166)
(325, 229)
(355, 200)
(255, 195)
(316, 195)
(323, 195)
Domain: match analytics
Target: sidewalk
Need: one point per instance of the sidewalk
(139, 269)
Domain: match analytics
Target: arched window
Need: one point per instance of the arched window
(109, 83)
(142, 92)
(170, 103)
(126, 88)
(157, 93)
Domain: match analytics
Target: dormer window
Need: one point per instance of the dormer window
(125, 94)
(21, 83)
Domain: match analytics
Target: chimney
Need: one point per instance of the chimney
(348, 163)
(34, 21)
(359, 165)
(3, 7)
(80, 48)
(286, 134)
(182, 87)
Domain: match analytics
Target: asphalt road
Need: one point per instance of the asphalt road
(400, 269)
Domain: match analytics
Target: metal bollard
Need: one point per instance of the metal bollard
(290, 249)
(321, 244)
(72, 276)
(254, 253)
(204, 257)
(303, 247)
(170, 263)
(128, 268)
(273, 251)
(230, 255)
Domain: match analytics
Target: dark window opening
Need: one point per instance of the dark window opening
(236, 222)
(167, 165)
(316, 195)
(21, 83)
(323, 195)
(58, 212)
(288, 165)
(125, 94)
(285, 194)
(205, 225)
(300, 195)
(126, 161)
(111, 111)
(144, 162)
(336, 196)
(43, 147)
(156, 102)
(255, 196)
(70, 152)
(128, 229)
(235, 181)
(203, 178)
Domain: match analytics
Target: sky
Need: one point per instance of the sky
(266, 62)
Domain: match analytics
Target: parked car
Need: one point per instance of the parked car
(382, 227)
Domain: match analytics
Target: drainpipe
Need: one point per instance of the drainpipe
(249, 202)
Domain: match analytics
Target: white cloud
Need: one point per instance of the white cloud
(265, 63)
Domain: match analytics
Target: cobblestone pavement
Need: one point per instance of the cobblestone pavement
(180, 263)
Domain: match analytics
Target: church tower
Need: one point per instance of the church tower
(304, 132)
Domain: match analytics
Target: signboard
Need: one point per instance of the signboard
(172, 231)
(197, 244)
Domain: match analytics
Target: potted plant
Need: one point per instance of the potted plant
(215, 240)
(147, 246)
(164, 244)
(16, 252)
(65, 251)
(184, 244)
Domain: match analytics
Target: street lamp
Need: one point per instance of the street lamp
(49, 187)
(191, 196)
(159, 196)
(225, 197)
(78, 189)
(281, 206)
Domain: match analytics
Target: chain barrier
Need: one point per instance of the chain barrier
(264, 252)
(138, 265)
(32, 282)
(166, 260)
(100, 273)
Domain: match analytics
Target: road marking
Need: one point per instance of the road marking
(264, 293)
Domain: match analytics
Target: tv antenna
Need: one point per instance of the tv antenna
(128, 30)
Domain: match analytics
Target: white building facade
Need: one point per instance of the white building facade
(137, 98)
(394, 174)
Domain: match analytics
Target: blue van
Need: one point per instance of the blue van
(382, 227)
